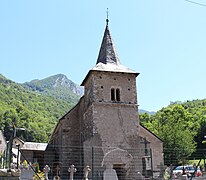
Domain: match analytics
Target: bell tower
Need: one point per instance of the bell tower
(109, 81)
(110, 119)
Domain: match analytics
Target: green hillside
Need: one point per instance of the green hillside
(58, 86)
(181, 126)
(29, 109)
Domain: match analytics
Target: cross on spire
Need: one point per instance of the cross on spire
(107, 53)
(107, 20)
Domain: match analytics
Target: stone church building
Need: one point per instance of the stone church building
(103, 130)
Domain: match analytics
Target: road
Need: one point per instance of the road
(198, 178)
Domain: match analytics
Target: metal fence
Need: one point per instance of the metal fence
(101, 163)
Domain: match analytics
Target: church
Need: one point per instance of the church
(103, 130)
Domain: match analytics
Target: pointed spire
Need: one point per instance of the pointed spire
(107, 53)
(108, 60)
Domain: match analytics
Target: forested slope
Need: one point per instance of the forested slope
(34, 111)
(182, 127)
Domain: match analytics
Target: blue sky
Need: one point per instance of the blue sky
(163, 40)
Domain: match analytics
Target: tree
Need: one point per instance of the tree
(9, 118)
(176, 127)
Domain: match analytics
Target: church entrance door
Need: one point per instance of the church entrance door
(120, 170)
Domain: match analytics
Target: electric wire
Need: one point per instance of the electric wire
(200, 4)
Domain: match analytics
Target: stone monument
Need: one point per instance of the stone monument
(110, 173)
(86, 172)
(46, 171)
(72, 170)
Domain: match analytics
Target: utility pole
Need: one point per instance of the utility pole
(11, 143)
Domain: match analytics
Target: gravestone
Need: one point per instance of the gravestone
(72, 170)
(27, 174)
(110, 173)
(46, 171)
(86, 172)
(57, 173)
(139, 176)
(13, 174)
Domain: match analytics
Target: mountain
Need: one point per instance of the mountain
(35, 109)
(2, 77)
(142, 111)
(58, 86)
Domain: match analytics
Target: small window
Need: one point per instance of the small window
(115, 94)
(0, 142)
(112, 94)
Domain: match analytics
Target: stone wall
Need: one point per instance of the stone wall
(156, 146)
(104, 81)
(108, 125)
(71, 143)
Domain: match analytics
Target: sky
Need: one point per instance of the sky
(163, 40)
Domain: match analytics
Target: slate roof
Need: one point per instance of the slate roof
(108, 59)
(107, 53)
